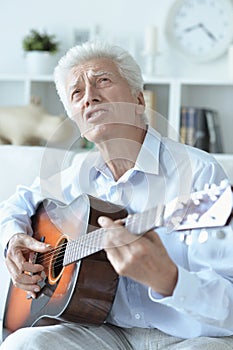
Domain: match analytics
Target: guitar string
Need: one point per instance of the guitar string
(78, 246)
(92, 237)
(59, 251)
(77, 252)
(130, 220)
(72, 244)
(134, 222)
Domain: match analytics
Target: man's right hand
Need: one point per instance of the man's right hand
(24, 273)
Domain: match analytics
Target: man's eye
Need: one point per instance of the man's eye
(76, 94)
(104, 81)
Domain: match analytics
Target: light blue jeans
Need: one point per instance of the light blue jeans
(106, 337)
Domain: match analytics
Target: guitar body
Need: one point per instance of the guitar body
(79, 283)
(82, 291)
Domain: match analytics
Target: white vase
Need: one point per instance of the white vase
(39, 62)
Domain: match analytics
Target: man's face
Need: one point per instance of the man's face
(96, 94)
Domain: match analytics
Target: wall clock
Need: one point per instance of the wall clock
(202, 30)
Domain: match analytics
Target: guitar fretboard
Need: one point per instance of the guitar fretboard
(200, 210)
(93, 242)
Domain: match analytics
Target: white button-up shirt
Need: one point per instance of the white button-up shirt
(202, 302)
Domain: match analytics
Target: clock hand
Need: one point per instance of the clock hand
(201, 25)
(210, 35)
(195, 26)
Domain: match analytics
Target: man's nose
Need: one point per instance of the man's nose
(92, 95)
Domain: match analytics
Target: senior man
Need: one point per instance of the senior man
(170, 295)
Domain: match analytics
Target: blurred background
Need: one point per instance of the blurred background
(194, 97)
(124, 22)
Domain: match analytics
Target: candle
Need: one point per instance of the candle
(151, 40)
(230, 61)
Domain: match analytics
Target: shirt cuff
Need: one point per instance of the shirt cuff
(184, 292)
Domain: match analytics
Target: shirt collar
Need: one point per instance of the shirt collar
(148, 157)
(147, 160)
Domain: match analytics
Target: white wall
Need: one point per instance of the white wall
(122, 21)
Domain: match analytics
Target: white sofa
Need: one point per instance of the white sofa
(21, 164)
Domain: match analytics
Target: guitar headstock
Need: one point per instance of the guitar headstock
(210, 207)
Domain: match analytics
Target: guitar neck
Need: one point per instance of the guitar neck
(201, 210)
(92, 242)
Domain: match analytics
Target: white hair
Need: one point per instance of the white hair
(126, 64)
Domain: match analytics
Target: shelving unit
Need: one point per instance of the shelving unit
(214, 95)
(167, 93)
(18, 90)
(13, 90)
(171, 94)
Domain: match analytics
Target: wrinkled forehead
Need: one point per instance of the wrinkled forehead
(93, 68)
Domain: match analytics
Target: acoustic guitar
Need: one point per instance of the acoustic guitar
(79, 283)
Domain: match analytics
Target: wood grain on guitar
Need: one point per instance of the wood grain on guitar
(79, 283)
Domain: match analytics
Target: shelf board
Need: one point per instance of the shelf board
(45, 78)
(26, 77)
(10, 77)
(158, 80)
(211, 82)
(186, 81)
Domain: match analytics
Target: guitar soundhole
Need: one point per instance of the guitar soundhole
(56, 264)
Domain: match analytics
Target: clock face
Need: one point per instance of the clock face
(200, 29)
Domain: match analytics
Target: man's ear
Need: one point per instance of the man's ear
(140, 98)
(140, 108)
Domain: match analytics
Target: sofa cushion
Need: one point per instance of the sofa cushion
(20, 165)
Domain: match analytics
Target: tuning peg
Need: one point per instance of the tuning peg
(214, 192)
(176, 220)
(213, 187)
(203, 236)
(192, 217)
(224, 184)
(206, 187)
(196, 201)
(186, 238)
(197, 195)
(213, 198)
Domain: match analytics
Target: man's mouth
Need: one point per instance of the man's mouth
(95, 114)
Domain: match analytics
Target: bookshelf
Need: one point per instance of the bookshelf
(18, 89)
(171, 94)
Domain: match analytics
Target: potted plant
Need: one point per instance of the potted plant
(40, 48)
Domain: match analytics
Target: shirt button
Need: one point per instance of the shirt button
(137, 316)
(220, 234)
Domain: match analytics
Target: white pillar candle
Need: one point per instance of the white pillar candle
(230, 61)
(151, 40)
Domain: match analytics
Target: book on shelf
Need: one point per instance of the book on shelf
(200, 127)
(150, 101)
(215, 137)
